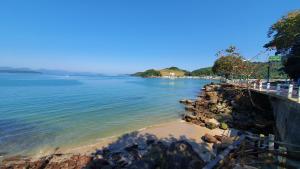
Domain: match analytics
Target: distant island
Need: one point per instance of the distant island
(17, 70)
(207, 72)
(46, 71)
(175, 72)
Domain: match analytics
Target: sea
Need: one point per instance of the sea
(40, 112)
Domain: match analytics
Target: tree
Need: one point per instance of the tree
(292, 61)
(285, 35)
(229, 63)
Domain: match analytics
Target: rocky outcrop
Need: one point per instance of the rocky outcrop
(227, 104)
(74, 162)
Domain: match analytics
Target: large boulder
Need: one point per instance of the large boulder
(209, 138)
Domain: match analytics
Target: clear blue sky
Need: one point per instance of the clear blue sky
(124, 36)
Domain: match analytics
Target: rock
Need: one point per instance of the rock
(82, 160)
(209, 138)
(214, 121)
(156, 154)
(212, 97)
(213, 108)
(134, 152)
(186, 102)
(219, 138)
(225, 142)
(210, 125)
(142, 164)
(243, 166)
(190, 108)
(181, 155)
(189, 118)
(227, 110)
(196, 164)
(182, 101)
(208, 88)
(223, 126)
(98, 163)
(150, 142)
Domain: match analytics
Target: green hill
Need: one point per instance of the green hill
(171, 71)
(148, 73)
(262, 71)
(207, 71)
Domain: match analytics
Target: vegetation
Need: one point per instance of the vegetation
(207, 71)
(232, 65)
(255, 70)
(148, 73)
(285, 35)
(292, 63)
(177, 72)
(261, 70)
(164, 72)
(229, 63)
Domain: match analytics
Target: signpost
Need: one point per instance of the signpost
(276, 58)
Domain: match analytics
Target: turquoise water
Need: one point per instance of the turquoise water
(38, 111)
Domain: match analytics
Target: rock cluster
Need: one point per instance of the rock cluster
(224, 106)
(207, 108)
(155, 155)
(19, 162)
(176, 155)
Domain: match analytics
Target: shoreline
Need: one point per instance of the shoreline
(88, 147)
(175, 129)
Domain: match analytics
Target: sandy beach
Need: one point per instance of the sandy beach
(170, 131)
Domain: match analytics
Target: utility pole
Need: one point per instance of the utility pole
(269, 67)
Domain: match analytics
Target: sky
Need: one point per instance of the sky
(125, 36)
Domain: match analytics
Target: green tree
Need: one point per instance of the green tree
(285, 35)
(229, 63)
(292, 61)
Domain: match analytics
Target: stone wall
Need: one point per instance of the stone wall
(286, 114)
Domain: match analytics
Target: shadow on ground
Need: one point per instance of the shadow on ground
(136, 151)
(130, 151)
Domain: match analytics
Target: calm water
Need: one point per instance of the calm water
(39, 112)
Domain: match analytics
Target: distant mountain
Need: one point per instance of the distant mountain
(68, 73)
(16, 70)
(47, 71)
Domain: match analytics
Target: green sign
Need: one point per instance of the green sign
(275, 58)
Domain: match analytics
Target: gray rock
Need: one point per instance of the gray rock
(142, 164)
(181, 155)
